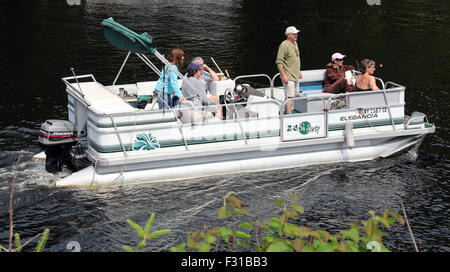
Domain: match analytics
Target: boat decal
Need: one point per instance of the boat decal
(304, 128)
(145, 142)
(179, 142)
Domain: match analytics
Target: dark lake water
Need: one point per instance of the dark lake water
(41, 41)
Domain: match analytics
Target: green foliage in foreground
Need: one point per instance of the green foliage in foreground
(144, 234)
(18, 244)
(281, 234)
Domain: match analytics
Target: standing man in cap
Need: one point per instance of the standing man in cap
(335, 81)
(288, 63)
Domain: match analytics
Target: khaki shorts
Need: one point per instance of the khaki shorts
(290, 89)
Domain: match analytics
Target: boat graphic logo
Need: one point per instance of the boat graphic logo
(303, 128)
(145, 142)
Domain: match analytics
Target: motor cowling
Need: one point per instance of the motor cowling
(56, 138)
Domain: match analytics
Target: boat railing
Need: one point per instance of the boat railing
(253, 76)
(78, 93)
(390, 83)
(347, 97)
(234, 105)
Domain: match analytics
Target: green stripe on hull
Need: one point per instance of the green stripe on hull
(133, 123)
(192, 141)
(237, 136)
(366, 124)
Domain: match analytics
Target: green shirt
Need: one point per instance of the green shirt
(289, 57)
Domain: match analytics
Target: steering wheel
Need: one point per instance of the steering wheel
(238, 94)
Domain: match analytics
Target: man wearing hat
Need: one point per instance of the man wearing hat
(288, 63)
(198, 94)
(335, 81)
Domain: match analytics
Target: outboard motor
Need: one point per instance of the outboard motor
(56, 138)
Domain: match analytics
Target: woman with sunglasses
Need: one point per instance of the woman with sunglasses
(335, 81)
(366, 81)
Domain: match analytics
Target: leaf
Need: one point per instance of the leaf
(246, 225)
(204, 247)
(158, 233)
(269, 239)
(223, 212)
(141, 245)
(42, 241)
(283, 218)
(17, 241)
(139, 230)
(295, 197)
(398, 217)
(352, 234)
(240, 211)
(179, 248)
(292, 230)
(298, 245)
(237, 202)
(148, 225)
(327, 247)
(275, 224)
(225, 233)
(370, 227)
(279, 202)
(385, 222)
(308, 248)
(240, 243)
(242, 234)
(291, 213)
(298, 208)
(127, 249)
(279, 246)
(210, 238)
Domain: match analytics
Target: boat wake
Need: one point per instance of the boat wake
(30, 171)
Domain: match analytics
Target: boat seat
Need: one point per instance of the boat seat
(263, 106)
(189, 114)
(101, 100)
(314, 102)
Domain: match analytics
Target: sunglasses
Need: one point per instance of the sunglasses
(339, 59)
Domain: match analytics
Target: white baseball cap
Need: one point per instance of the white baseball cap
(337, 56)
(292, 30)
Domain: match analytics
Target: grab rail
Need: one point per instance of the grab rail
(250, 76)
(272, 84)
(237, 115)
(77, 93)
(381, 81)
(393, 84)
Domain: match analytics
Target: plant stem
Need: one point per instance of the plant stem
(257, 239)
(409, 228)
(11, 197)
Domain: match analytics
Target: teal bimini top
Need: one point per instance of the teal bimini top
(123, 38)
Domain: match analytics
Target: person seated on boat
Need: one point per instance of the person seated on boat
(167, 88)
(335, 81)
(366, 81)
(209, 74)
(194, 73)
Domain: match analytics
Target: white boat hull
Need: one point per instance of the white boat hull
(287, 155)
